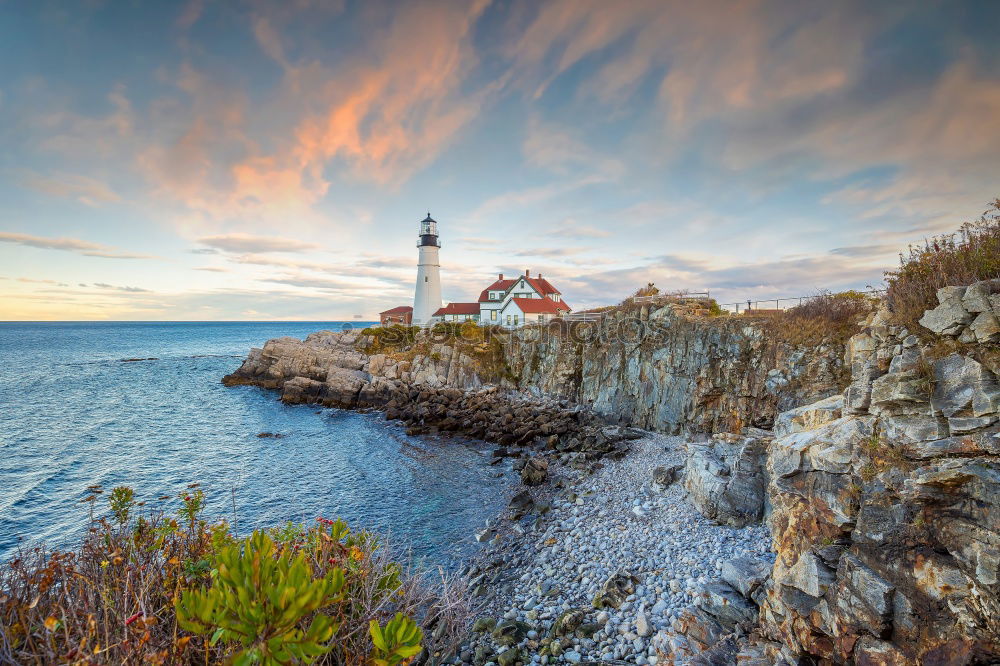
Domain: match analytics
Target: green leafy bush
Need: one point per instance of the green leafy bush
(168, 587)
(396, 642)
(259, 601)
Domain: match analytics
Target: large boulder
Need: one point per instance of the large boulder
(950, 316)
(726, 478)
(535, 471)
(664, 477)
(746, 574)
(977, 297)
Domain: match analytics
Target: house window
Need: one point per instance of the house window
(515, 320)
(493, 315)
(425, 278)
(541, 317)
(555, 297)
(508, 320)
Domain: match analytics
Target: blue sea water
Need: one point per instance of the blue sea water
(74, 413)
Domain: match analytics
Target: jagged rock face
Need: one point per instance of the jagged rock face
(885, 513)
(330, 368)
(725, 478)
(967, 313)
(664, 371)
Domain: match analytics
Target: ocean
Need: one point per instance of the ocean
(74, 411)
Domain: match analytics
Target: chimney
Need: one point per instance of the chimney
(501, 276)
(539, 276)
(527, 273)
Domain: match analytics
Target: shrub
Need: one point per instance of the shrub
(386, 339)
(970, 255)
(259, 600)
(824, 318)
(155, 588)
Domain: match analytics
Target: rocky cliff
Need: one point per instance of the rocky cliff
(661, 369)
(652, 367)
(431, 387)
(883, 506)
(882, 498)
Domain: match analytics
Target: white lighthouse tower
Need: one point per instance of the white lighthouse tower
(427, 294)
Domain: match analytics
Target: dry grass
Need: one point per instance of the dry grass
(969, 255)
(390, 339)
(824, 318)
(111, 601)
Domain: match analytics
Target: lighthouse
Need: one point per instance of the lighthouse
(427, 294)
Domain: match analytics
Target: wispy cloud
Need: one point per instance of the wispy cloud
(240, 242)
(84, 189)
(85, 248)
(573, 229)
(113, 287)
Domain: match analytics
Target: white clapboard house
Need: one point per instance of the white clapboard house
(510, 302)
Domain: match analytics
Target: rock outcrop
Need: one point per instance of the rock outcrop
(653, 367)
(725, 478)
(660, 369)
(967, 313)
(439, 391)
(333, 367)
(884, 507)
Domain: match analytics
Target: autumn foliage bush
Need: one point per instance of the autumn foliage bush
(969, 255)
(823, 318)
(176, 589)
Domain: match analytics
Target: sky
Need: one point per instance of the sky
(227, 160)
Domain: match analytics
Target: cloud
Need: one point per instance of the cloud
(378, 114)
(41, 281)
(572, 229)
(866, 251)
(78, 136)
(84, 189)
(191, 13)
(554, 149)
(130, 290)
(240, 242)
(85, 248)
(550, 252)
(213, 269)
(280, 261)
(479, 243)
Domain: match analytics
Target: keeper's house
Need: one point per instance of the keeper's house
(510, 302)
(401, 315)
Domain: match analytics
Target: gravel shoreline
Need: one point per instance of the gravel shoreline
(540, 574)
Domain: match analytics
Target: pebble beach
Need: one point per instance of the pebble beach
(609, 532)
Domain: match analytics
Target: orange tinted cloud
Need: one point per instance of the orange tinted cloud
(378, 117)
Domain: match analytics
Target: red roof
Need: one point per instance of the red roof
(540, 306)
(399, 309)
(458, 309)
(499, 285)
(541, 285)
